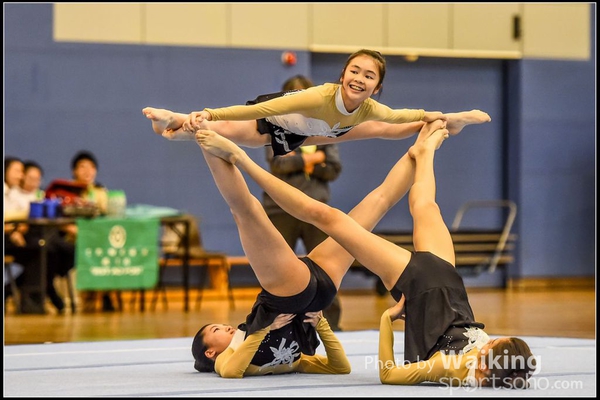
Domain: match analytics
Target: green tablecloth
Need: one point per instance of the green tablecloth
(117, 253)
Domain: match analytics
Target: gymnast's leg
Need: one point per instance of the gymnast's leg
(430, 233)
(455, 123)
(331, 256)
(381, 256)
(275, 264)
(169, 125)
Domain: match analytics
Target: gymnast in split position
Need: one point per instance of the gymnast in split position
(327, 113)
(279, 333)
(443, 342)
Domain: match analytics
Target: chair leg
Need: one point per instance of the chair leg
(230, 291)
(15, 293)
(160, 287)
(119, 300)
(133, 299)
(142, 293)
(227, 267)
(201, 283)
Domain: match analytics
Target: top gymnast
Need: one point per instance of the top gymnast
(327, 113)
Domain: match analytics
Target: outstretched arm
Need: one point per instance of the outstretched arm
(392, 372)
(455, 123)
(336, 361)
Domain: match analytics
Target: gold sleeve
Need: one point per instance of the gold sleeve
(389, 372)
(295, 103)
(233, 363)
(335, 362)
(450, 370)
(381, 112)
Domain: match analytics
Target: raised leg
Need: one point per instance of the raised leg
(169, 125)
(275, 264)
(455, 123)
(379, 255)
(430, 233)
(333, 257)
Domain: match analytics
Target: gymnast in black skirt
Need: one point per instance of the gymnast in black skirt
(280, 333)
(443, 342)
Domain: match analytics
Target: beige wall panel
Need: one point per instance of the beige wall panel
(98, 22)
(484, 27)
(557, 30)
(418, 25)
(187, 24)
(270, 25)
(348, 24)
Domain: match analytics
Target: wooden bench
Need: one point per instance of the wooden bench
(477, 250)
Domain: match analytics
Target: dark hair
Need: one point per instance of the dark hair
(8, 160)
(32, 164)
(297, 80)
(510, 364)
(376, 56)
(83, 155)
(201, 362)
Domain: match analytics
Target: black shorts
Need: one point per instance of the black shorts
(436, 299)
(319, 294)
(282, 140)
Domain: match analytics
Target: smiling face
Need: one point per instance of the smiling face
(32, 179)
(13, 173)
(85, 171)
(217, 338)
(360, 80)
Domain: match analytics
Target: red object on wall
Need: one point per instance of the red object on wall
(289, 58)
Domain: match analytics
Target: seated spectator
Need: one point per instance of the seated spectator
(60, 252)
(13, 234)
(13, 174)
(84, 168)
(29, 189)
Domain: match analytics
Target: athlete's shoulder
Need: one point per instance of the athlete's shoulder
(326, 88)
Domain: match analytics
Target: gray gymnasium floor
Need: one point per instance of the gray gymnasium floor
(164, 368)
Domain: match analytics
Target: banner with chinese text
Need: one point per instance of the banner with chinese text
(117, 253)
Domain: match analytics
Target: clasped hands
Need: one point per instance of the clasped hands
(194, 121)
(282, 320)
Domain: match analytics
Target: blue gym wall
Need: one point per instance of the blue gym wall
(539, 149)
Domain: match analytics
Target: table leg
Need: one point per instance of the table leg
(43, 265)
(186, 266)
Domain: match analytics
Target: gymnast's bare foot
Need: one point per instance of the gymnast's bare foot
(167, 123)
(430, 144)
(457, 121)
(219, 146)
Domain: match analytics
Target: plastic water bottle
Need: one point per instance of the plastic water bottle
(117, 203)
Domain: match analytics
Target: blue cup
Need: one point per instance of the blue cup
(51, 208)
(36, 209)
